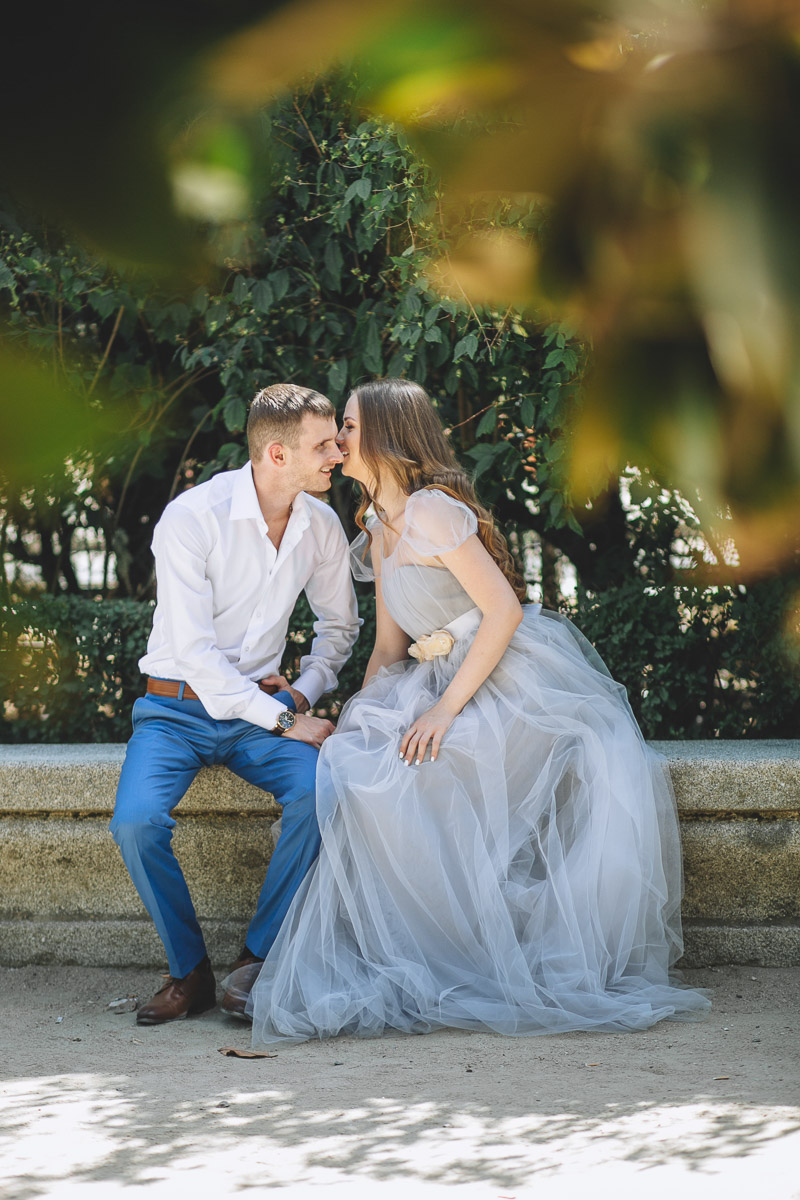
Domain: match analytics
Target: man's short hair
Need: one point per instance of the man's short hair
(276, 415)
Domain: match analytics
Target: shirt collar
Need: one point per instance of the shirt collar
(244, 503)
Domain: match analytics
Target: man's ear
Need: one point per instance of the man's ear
(276, 454)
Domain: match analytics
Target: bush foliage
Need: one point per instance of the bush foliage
(69, 673)
(695, 662)
(325, 285)
(328, 283)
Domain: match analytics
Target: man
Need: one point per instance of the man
(232, 556)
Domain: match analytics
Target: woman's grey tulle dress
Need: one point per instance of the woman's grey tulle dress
(528, 881)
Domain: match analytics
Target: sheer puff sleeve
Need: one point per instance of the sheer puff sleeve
(436, 523)
(364, 556)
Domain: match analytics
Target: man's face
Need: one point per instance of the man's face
(315, 455)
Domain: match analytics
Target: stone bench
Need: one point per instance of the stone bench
(65, 896)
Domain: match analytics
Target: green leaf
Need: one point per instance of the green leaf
(440, 355)
(263, 296)
(527, 412)
(481, 451)
(398, 364)
(337, 378)
(361, 188)
(490, 459)
(433, 334)
(470, 374)
(104, 303)
(373, 360)
(239, 290)
(280, 283)
(333, 263)
(234, 414)
(411, 304)
(180, 316)
(466, 347)
(6, 276)
(487, 422)
(215, 316)
(555, 450)
(554, 358)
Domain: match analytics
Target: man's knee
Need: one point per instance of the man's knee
(135, 831)
(306, 778)
(302, 777)
(305, 805)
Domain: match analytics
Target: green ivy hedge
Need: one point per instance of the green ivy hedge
(696, 663)
(69, 673)
(701, 663)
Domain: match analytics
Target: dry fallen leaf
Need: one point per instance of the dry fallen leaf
(722, 1076)
(233, 1052)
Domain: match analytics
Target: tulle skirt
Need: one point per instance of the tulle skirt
(527, 882)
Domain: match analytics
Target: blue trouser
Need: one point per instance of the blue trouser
(172, 739)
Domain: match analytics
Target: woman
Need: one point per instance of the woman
(500, 849)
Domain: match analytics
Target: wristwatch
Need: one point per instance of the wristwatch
(286, 720)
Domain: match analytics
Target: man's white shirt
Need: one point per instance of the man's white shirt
(225, 596)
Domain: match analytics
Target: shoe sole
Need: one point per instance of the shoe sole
(240, 1016)
(165, 1021)
(193, 1012)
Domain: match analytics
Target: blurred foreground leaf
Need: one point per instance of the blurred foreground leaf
(45, 422)
(660, 138)
(663, 137)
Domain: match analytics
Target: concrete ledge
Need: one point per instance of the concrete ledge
(99, 943)
(82, 779)
(65, 895)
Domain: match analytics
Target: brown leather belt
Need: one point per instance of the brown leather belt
(172, 688)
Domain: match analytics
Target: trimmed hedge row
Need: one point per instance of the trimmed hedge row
(696, 663)
(69, 673)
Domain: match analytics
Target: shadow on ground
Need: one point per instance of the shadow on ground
(92, 1098)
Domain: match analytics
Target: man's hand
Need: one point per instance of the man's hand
(312, 730)
(300, 702)
(277, 683)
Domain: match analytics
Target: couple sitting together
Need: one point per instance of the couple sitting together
(484, 841)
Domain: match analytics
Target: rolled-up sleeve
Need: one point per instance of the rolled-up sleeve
(332, 598)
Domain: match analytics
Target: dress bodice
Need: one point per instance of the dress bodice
(420, 595)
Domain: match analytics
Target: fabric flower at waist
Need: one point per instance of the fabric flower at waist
(432, 645)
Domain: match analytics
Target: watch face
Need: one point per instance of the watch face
(285, 720)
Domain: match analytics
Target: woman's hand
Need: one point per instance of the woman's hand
(429, 727)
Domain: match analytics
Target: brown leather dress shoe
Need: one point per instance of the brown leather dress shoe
(179, 998)
(244, 972)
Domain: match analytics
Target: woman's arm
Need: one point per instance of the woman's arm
(488, 588)
(391, 642)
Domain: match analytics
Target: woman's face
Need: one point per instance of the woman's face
(348, 441)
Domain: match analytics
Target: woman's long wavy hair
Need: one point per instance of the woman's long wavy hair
(400, 435)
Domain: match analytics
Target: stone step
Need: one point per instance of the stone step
(65, 895)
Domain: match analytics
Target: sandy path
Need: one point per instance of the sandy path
(93, 1106)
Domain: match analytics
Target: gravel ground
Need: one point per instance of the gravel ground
(93, 1106)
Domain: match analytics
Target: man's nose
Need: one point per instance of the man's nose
(337, 454)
